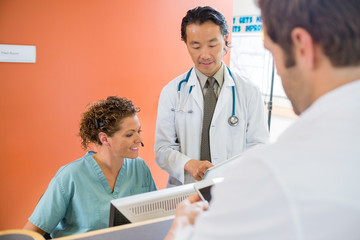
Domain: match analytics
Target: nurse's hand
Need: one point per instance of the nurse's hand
(197, 168)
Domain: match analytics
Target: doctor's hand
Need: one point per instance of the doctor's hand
(197, 168)
(186, 213)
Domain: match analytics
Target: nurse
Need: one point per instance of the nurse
(78, 197)
(189, 137)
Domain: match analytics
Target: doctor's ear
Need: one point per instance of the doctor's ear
(104, 139)
(227, 43)
(226, 39)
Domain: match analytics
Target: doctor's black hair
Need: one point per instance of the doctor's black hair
(200, 15)
(104, 116)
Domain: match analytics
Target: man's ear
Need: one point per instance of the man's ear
(304, 47)
(104, 139)
(226, 38)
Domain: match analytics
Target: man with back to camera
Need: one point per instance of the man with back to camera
(306, 184)
(208, 114)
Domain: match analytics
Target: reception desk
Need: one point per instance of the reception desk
(19, 234)
(147, 230)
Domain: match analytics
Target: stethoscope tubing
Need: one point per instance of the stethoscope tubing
(233, 120)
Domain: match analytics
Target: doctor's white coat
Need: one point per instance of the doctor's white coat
(178, 132)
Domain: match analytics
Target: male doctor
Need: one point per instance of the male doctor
(208, 114)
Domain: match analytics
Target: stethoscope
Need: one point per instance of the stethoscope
(233, 119)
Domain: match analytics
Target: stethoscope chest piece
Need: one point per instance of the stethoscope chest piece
(233, 121)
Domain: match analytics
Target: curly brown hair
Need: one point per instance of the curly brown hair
(104, 116)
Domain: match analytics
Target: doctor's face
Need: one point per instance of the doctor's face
(205, 44)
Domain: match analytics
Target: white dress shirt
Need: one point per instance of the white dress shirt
(304, 186)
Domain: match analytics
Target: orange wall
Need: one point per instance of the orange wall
(86, 50)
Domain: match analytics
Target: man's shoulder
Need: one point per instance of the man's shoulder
(180, 77)
(243, 79)
(245, 85)
(174, 83)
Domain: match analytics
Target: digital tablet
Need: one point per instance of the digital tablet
(203, 188)
(220, 169)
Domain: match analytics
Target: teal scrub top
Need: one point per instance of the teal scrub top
(78, 197)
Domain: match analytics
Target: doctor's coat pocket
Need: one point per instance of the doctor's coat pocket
(188, 121)
(180, 121)
(180, 117)
(237, 138)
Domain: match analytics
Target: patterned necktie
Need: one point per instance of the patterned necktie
(209, 107)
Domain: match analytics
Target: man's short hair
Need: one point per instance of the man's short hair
(333, 24)
(200, 15)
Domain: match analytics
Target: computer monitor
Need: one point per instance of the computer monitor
(150, 205)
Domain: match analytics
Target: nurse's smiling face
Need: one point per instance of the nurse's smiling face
(205, 44)
(126, 141)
